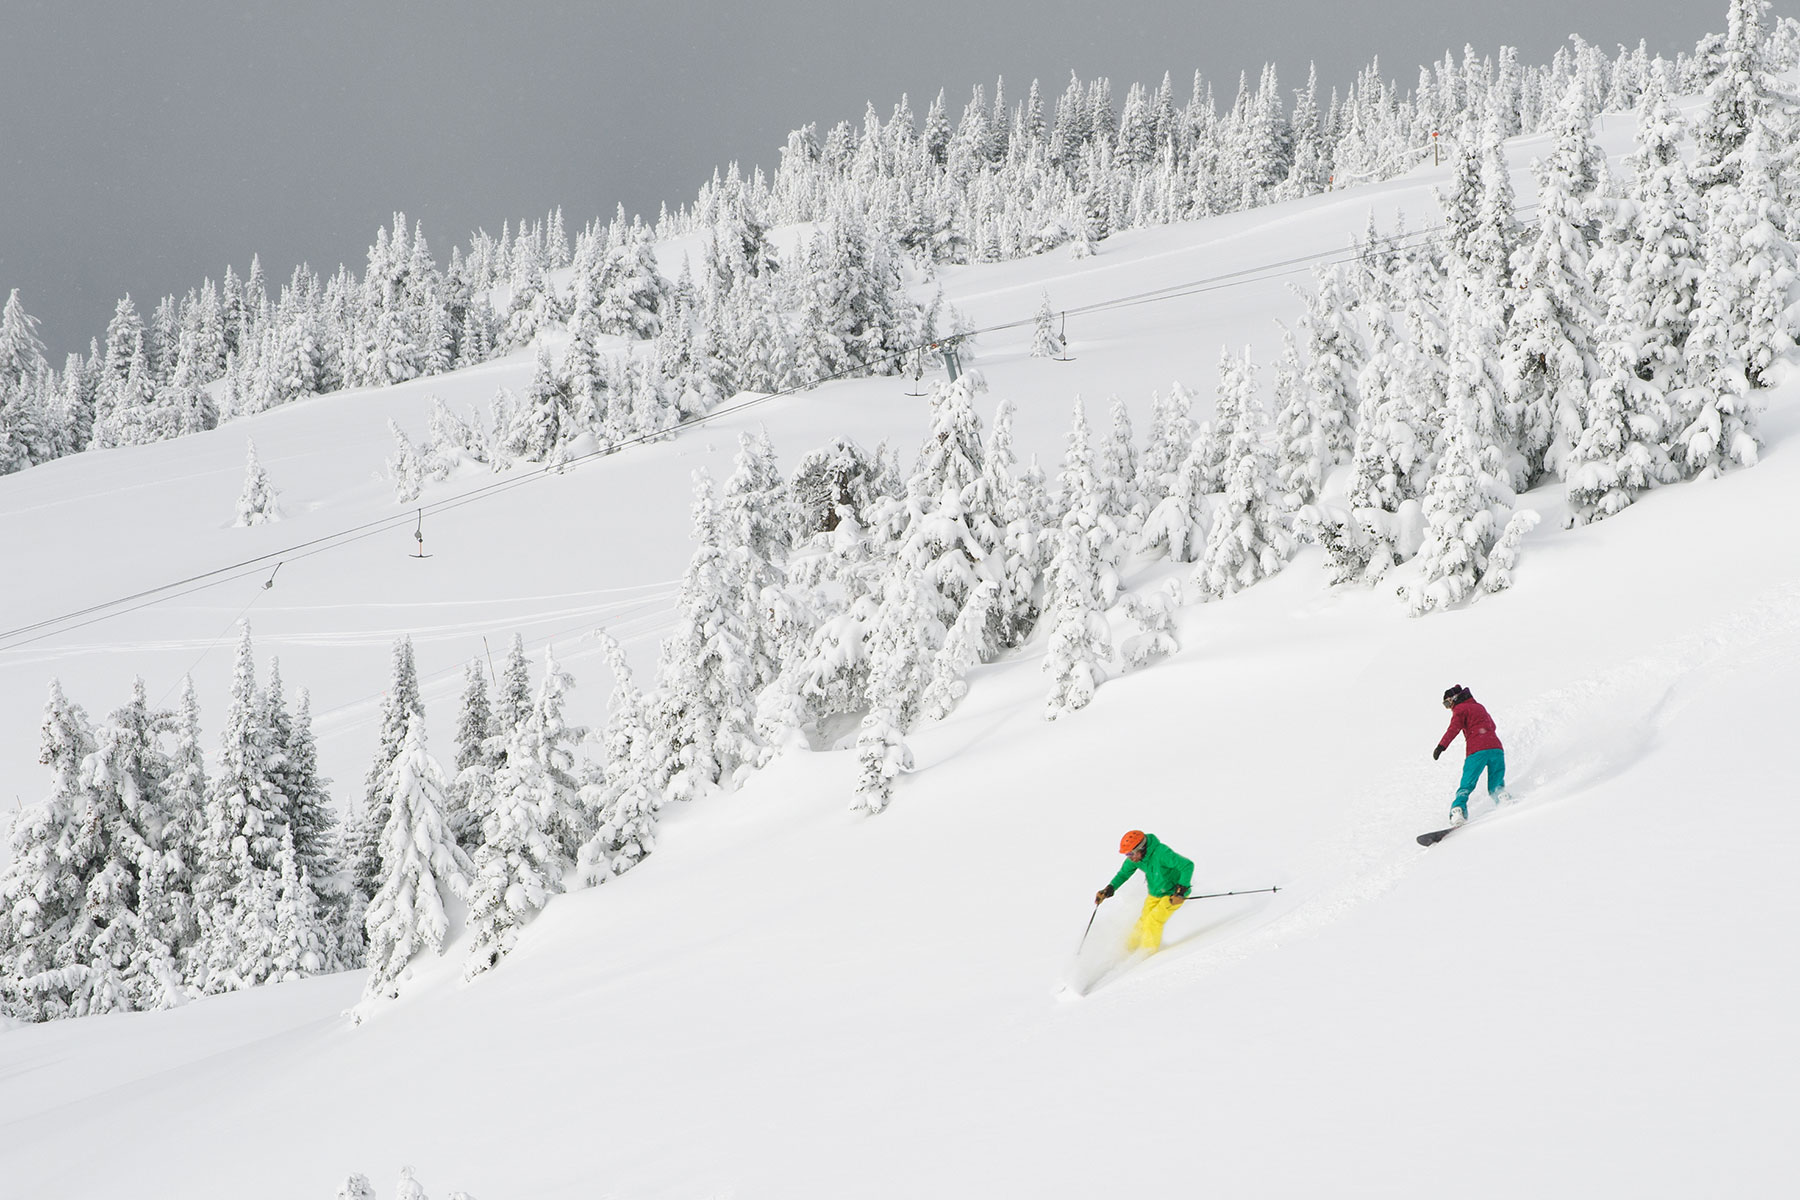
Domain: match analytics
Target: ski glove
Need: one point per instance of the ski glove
(1180, 894)
(1437, 753)
(1103, 893)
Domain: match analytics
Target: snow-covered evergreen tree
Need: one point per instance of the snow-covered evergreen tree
(1080, 643)
(1548, 356)
(1016, 560)
(625, 800)
(1084, 513)
(897, 666)
(421, 866)
(1177, 527)
(1663, 243)
(44, 882)
(756, 521)
(1505, 555)
(550, 765)
(1743, 91)
(519, 865)
(257, 502)
(1154, 616)
(704, 680)
(1300, 430)
(398, 707)
(1619, 453)
(1170, 442)
(405, 467)
(128, 935)
(1249, 539)
(472, 781)
(946, 683)
(1335, 356)
(246, 838)
(1462, 508)
(1044, 340)
(1117, 473)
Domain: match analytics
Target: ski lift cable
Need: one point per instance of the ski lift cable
(51, 626)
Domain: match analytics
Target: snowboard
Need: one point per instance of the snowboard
(1438, 835)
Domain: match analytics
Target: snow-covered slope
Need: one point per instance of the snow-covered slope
(1585, 993)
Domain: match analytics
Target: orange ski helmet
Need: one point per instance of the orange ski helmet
(1131, 841)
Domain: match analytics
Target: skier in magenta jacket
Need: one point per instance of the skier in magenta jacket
(1481, 744)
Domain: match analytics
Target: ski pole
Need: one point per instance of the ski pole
(1088, 930)
(1247, 892)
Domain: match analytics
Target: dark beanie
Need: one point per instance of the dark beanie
(1456, 693)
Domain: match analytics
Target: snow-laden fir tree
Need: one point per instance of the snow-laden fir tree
(1171, 440)
(1084, 512)
(1016, 558)
(1249, 539)
(168, 889)
(302, 943)
(756, 521)
(1117, 473)
(1176, 528)
(961, 652)
(1463, 508)
(43, 884)
(1305, 455)
(520, 864)
(21, 350)
(898, 659)
(1747, 228)
(1494, 239)
(706, 674)
(398, 706)
(1421, 358)
(422, 867)
(1080, 642)
(1714, 416)
(472, 781)
(1619, 452)
(1044, 341)
(1505, 556)
(548, 418)
(1154, 615)
(512, 699)
(1335, 355)
(405, 467)
(1663, 243)
(1743, 90)
(551, 747)
(939, 547)
(257, 502)
(128, 935)
(632, 293)
(534, 304)
(247, 838)
(294, 769)
(625, 800)
(951, 457)
(1548, 356)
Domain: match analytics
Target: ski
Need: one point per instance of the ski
(1437, 835)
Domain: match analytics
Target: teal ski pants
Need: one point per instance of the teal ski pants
(1491, 761)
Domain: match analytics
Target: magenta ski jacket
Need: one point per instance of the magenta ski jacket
(1472, 721)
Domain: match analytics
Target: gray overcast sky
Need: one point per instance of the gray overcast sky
(145, 145)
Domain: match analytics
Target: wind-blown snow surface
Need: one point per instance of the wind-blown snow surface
(1588, 992)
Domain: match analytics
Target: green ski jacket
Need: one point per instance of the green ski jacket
(1164, 870)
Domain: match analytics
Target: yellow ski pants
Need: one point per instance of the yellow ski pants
(1147, 933)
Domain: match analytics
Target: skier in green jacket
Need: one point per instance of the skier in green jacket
(1168, 877)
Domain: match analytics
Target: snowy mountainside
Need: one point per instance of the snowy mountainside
(1583, 993)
